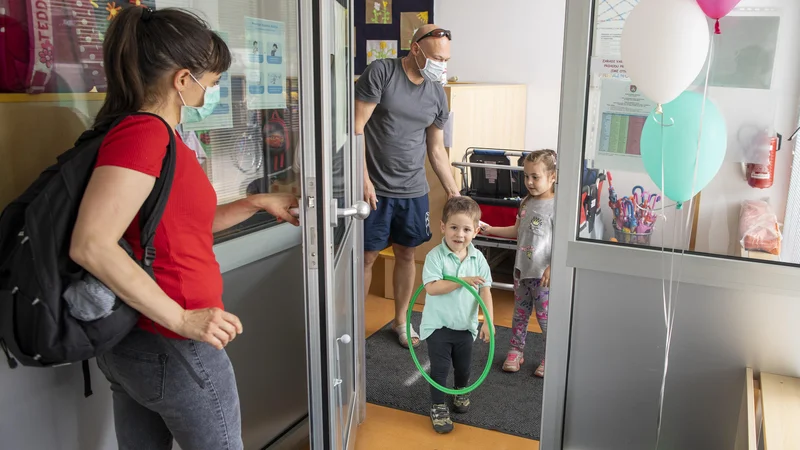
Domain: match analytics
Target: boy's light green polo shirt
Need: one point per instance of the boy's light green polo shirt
(457, 310)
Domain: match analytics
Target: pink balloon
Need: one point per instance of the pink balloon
(717, 9)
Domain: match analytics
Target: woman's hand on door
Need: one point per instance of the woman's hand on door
(278, 205)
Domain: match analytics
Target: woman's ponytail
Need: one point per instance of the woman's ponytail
(142, 46)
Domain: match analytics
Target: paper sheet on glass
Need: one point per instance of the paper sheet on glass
(341, 80)
(265, 72)
(609, 22)
(222, 116)
(623, 113)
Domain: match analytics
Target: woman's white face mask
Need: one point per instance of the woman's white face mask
(433, 70)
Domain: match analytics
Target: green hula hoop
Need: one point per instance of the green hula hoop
(488, 323)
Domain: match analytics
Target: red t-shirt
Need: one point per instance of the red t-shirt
(185, 266)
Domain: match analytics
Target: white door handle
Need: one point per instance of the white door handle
(360, 210)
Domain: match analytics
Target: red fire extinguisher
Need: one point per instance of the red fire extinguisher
(761, 176)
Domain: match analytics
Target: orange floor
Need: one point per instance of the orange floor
(388, 429)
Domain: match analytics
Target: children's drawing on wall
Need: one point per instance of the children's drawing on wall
(379, 12)
(410, 22)
(381, 50)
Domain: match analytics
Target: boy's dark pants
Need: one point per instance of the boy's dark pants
(449, 348)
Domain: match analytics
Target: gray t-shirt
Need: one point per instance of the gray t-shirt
(534, 238)
(395, 135)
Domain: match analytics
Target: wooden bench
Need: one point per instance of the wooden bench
(383, 276)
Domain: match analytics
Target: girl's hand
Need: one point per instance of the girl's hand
(484, 228)
(484, 334)
(278, 205)
(474, 281)
(546, 277)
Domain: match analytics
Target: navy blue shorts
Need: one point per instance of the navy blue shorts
(401, 221)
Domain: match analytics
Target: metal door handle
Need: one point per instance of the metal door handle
(360, 210)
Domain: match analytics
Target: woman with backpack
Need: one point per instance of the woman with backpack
(163, 67)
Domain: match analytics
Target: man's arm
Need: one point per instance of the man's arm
(440, 161)
(363, 111)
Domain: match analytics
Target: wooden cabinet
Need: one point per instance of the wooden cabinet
(482, 115)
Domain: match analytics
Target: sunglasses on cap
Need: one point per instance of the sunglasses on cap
(437, 33)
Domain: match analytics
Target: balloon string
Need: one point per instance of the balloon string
(663, 280)
(716, 28)
(669, 304)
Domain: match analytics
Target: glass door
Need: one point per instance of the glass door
(333, 214)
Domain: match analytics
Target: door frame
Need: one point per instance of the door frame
(315, 19)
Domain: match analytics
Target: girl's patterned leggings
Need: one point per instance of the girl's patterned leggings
(529, 295)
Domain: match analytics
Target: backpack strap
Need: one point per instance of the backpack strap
(153, 207)
(87, 378)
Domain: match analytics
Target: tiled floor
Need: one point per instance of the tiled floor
(389, 429)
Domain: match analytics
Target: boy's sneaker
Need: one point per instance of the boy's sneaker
(461, 403)
(440, 418)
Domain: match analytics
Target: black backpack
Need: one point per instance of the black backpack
(36, 327)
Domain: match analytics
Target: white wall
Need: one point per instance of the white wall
(515, 41)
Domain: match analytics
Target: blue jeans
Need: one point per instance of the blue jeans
(156, 400)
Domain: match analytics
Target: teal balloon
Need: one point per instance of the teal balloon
(679, 143)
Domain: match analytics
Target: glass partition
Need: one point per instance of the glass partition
(747, 210)
(248, 145)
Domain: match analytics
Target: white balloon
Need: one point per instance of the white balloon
(664, 47)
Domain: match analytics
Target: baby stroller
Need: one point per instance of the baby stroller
(497, 187)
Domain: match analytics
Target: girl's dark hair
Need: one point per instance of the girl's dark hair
(142, 45)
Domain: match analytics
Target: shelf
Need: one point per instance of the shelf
(52, 98)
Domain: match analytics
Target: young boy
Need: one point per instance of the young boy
(450, 316)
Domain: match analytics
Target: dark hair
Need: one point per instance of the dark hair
(142, 45)
(461, 205)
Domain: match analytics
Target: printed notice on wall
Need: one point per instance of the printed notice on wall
(265, 68)
(341, 83)
(609, 22)
(222, 116)
(608, 67)
(623, 113)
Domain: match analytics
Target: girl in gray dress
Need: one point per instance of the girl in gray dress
(534, 233)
